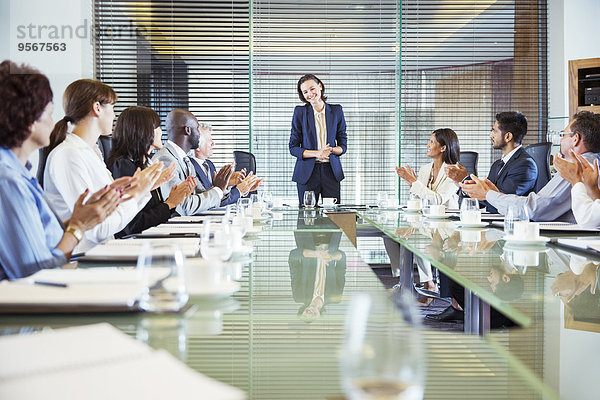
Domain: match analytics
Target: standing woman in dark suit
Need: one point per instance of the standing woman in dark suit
(138, 132)
(318, 139)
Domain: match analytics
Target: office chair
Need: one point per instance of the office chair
(541, 155)
(468, 159)
(243, 159)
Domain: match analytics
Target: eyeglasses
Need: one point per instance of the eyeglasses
(564, 133)
(557, 135)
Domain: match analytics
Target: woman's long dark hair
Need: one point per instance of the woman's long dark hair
(133, 135)
(447, 137)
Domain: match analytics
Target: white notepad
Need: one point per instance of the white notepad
(98, 362)
(98, 289)
(130, 249)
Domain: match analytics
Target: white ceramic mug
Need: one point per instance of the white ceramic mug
(328, 201)
(470, 216)
(437, 209)
(525, 230)
(202, 274)
(413, 204)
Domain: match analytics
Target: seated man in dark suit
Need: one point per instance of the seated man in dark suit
(516, 172)
(238, 186)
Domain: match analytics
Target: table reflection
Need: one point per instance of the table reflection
(318, 271)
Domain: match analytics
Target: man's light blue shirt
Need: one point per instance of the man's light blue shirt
(551, 203)
(29, 230)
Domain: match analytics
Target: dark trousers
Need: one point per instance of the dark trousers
(322, 182)
(497, 320)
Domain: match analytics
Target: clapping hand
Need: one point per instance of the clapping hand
(456, 172)
(407, 173)
(165, 176)
(589, 176)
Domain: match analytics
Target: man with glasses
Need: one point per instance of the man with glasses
(516, 172)
(553, 201)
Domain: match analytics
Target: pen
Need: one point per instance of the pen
(55, 284)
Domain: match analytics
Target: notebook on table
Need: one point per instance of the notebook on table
(130, 249)
(98, 362)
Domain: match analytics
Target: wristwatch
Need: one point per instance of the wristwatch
(75, 232)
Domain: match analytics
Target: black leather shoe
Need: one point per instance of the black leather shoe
(450, 314)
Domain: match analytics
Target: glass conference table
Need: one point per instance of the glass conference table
(552, 294)
(257, 340)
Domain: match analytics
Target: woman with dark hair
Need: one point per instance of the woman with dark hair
(136, 134)
(317, 140)
(32, 237)
(75, 163)
(432, 180)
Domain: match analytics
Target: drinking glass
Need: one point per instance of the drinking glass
(382, 200)
(215, 241)
(268, 200)
(469, 211)
(427, 202)
(514, 213)
(382, 356)
(160, 268)
(244, 203)
(310, 199)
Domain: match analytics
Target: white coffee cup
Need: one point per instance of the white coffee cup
(202, 274)
(328, 201)
(413, 204)
(437, 210)
(470, 216)
(525, 230)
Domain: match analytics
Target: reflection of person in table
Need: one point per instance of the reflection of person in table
(318, 271)
(578, 289)
(505, 282)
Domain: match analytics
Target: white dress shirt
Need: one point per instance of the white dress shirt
(585, 210)
(443, 188)
(74, 166)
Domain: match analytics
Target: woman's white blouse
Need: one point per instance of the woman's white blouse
(74, 166)
(443, 188)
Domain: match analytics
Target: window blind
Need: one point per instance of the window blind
(180, 54)
(352, 46)
(465, 61)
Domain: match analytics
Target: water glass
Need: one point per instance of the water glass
(268, 200)
(215, 241)
(160, 268)
(382, 200)
(469, 211)
(310, 200)
(382, 356)
(514, 213)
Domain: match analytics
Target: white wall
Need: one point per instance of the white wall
(573, 32)
(61, 68)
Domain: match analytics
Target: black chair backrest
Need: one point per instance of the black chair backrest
(105, 145)
(541, 155)
(243, 159)
(468, 159)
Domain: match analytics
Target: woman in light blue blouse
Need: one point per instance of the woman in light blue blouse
(32, 238)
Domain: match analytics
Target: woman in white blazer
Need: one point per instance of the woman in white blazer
(443, 149)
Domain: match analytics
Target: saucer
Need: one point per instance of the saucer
(412, 210)
(472, 224)
(254, 229)
(224, 289)
(444, 216)
(541, 240)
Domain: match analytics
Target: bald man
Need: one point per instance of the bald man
(183, 134)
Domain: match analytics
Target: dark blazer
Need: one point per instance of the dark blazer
(517, 177)
(206, 183)
(304, 137)
(154, 213)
